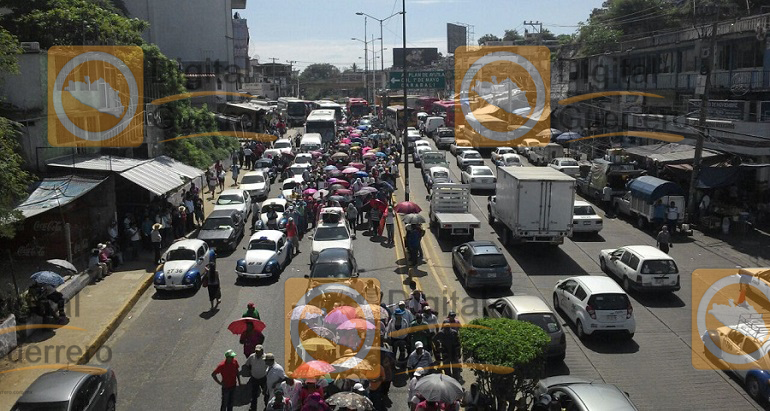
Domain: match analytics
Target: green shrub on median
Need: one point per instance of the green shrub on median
(506, 356)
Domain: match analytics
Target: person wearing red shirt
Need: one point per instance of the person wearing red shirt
(229, 370)
(292, 235)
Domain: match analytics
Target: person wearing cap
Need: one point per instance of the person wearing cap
(309, 389)
(420, 357)
(415, 301)
(429, 317)
(291, 234)
(251, 311)
(157, 241)
(401, 305)
(448, 341)
(257, 368)
(412, 396)
(398, 342)
(279, 402)
(275, 375)
(229, 370)
(359, 389)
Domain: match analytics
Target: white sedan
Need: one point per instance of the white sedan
(497, 153)
(566, 165)
(418, 153)
(585, 219)
(479, 178)
(459, 146)
(303, 158)
(267, 255)
(330, 235)
(283, 145)
(509, 160)
(469, 158)
(256, 184)
(234, 199)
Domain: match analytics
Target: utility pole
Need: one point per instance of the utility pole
(709, 68)
(291, 71)
(366, 62)
(539, 32)
(404, 142)
(272, 80)
(374, 71)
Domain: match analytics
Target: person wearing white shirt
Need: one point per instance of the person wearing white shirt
(411, 397)
(291, 389)
(672, 217)
(275, 374)
(258, 372)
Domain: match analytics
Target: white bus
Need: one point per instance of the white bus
(330, 105)
(293, 110)
(322, 122)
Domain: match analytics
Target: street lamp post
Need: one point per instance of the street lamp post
(366, 63)
(382, 49)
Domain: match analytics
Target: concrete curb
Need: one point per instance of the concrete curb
(105, 334)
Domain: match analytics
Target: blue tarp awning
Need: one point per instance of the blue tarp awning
(55, 192)
(652, 188)
(716, 177)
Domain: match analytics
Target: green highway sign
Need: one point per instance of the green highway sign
(417, 80)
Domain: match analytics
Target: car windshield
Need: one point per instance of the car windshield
(489, 261)
(512, 160)
(331, 234)
(180, 254)
(583, 210)
(440, 174)
(482, 172)
(255, 179)
(264, 163)
(216, 224)
(609, 301)
(332, 270)
(302, 160)
(41, 406)
(446, 134)
(546, 321)
(659, 267)
(228, 199)
(289, 185)
(472, 155)
(282, 144)
(275, 207)
(568, 163)
(262, 245)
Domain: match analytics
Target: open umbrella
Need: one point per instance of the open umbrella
(316, 154)
(319, 193)
(316, 344)
(359, 166)
(339, 199)
(357, 140)
(355, 135)
(369, 154)
(239, 326)
(346, 363)
(367, 149)
(568, 136)
(355, 147)
(350, 400)
(384, 185)
(63, 264)
(439, 388)
(378, 312)
(413, 219)
(55, 280)
(322, 332)
(366, 191)
(330, 167)
(340, 155)
(379, 204)
(350, 170)
(346, 141)
(361, 174)
(343, 192)
(313, 369)
(335, 180)
(407, 207)
(381, 154)
(340, 314)
(309, 191)
(336, 186)
(305, 312)
(550, 132)
(334, 173)
(356, 324)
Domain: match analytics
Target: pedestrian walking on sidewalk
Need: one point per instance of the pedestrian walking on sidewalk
(211, 282)
(663, 240)
(199, 211)
(235, 170)
(211, 178)
(157, 241)
(221, 174)
(229, 370)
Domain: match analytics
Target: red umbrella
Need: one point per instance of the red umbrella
(374, 203)
(350, 170)
(239, 326)
(343, 192)
(313, 369)
(407, 207)
(359, 166)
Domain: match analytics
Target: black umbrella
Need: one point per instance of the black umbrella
(63, 264)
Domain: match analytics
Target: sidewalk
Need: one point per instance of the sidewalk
(95, 312)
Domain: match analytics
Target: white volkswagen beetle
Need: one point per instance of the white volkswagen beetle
(184, 265)
(268, 253)
(276, 204)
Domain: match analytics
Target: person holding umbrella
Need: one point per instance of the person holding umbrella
(250, 339)
(229, 370)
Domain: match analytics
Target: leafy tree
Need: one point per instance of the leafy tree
(487, 37)
(594, 38)
(71, 22)
(319, 71)
(507, 357)
(512, 35)
(15, 179)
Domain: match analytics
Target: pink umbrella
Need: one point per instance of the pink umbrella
(359, 166)
(343, 192)
(338, 181)
(334, 173)
(407, 207)
(354, 135)
(369, 154)
(239, 326)
(340, 314)
(350, 170)
(312, 369)
(309, 191)
(316, 154)
(356, 324)
(346, 141)
(365, 149)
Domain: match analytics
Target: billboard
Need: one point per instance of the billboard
(456, 36)
(415, 57)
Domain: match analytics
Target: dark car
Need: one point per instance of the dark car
(82, 387)
(334, 263)
(481, 264)
(223, 229)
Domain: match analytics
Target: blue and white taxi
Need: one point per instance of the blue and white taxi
(268, 253)
(183, 265)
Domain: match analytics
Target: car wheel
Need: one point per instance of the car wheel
(579, 328)
(556, 302)
(603, 265)
(641, 222)
(110, 404)
(490, 217)
(626, 284)
(752, 386)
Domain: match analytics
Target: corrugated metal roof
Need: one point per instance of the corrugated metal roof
(669, 152)
(98, 163)
(54, 192)
(161, 175)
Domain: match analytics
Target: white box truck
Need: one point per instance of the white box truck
(534, 205)
(450, 210)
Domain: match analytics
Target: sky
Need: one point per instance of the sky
(321, 31)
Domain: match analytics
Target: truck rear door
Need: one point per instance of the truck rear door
(558, 206)
(530, 205)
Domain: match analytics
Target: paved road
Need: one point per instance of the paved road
(655, 368)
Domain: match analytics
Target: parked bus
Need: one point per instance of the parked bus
(446, 109)
(357, 107)
(329, 105)
(394, 118)
(293, 110)
(323, 122)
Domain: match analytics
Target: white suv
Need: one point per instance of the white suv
(595, 304)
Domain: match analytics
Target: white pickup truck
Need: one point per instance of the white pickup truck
(450, 210)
